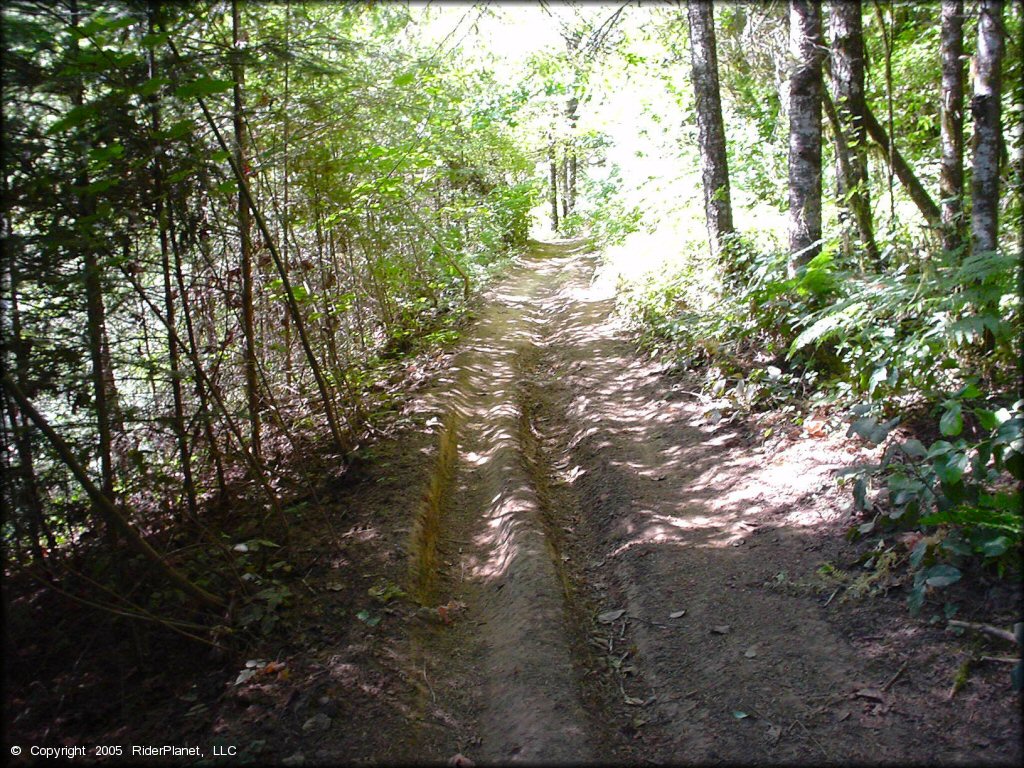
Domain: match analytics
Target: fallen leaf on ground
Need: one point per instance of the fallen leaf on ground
(751, 652)
(677, 614)
(609, 616)
(721, 629)
(739, 714)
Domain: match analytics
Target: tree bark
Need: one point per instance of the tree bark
(553, 184)
(951, 171)
(178, 419)
(985, 108)
(847, 33)
(570, 150)
(245, 237)
(565, 182)
(805, 90)
(918, 194)
(95, 307)
(710, 126)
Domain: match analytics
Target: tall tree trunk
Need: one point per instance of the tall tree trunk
(26, 499)
(805, 90)
(553, 183)
(570, 150)
(985, 108)
(951, 171)
(192, 352)
(565, 182)
(847, 34)
(178, 418)
(245, 236)
(1016, 139)
(95, 308)
(710, 126)
(915, 189)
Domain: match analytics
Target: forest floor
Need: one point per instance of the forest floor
(558, 557)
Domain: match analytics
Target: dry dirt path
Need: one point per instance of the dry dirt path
(604, 576)
(572, 490)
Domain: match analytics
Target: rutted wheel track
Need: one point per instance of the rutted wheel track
(489, 536)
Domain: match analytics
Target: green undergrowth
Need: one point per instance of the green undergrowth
(922, 361)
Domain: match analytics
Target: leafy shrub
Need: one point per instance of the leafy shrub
(964, 492)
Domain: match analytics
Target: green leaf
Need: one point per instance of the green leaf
(918, 553)
(76, 116)
(151, 86)
(862, 427)
(995, 547)
(404, 79)
(203, 86)
(970, 392)
(914, 448)
(986, 418)
(951, 467)
(916, 598)
(952, 421)
(938, 448)
(941, 576)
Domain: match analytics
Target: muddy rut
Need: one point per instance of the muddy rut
(606, 576)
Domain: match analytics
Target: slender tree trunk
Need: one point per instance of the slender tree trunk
(1016, 135)
(710, 126)
(847, 34)
(805, 91)
(565, 182)
(571, 113)
(951, 171)
(95, 309)
(553, 185)
(918, 194)
(26, 499)
(192, 351)
(245, 236)
(178, 419)
(985, 108)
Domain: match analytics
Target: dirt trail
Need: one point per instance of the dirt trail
(602, 575)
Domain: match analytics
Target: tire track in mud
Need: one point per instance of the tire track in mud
(489, 538)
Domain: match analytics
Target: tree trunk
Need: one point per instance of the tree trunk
(710, 126)
(985, 108)
(951, 172)
(26, 499)
(805, 88)
(178, 419)
(918, 194)
(565, 182)
(847, 34)
(95, 308)
(245, 237)
(553, 185)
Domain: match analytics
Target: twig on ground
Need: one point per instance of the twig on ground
(894, 678)
(987, 629)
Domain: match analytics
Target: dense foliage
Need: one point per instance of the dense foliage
(220, 236)
(924, 337)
